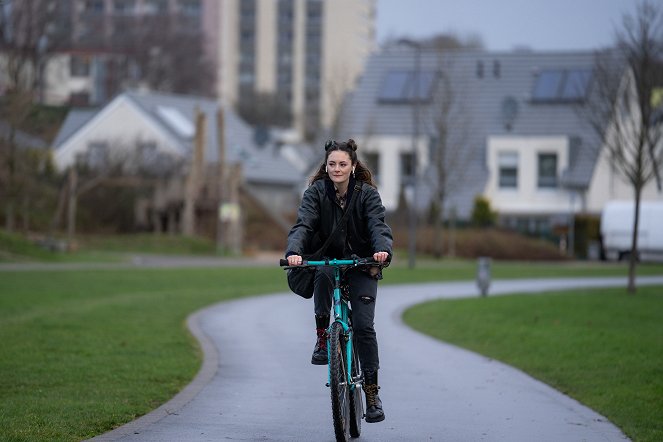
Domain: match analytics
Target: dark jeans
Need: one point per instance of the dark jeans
(363, 293)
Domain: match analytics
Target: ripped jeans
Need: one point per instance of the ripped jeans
(363, 293)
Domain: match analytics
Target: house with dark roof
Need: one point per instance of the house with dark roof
(162, 127)
(503, 125)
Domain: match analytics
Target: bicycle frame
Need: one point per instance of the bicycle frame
(341, 311)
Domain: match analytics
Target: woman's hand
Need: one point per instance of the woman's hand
(381, 256)
(294, 260)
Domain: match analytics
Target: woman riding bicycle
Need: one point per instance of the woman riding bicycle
(366, 234)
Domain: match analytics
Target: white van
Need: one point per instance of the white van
(617, 230)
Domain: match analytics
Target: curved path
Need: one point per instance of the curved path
(257, 382)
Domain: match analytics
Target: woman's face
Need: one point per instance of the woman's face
(339, 166)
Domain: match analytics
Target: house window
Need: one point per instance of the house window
(372, 161)
(190, 7)
(147, 152)
(79, 66)
(156, 7)
(97, 155)
(124, 6)
(508, 170)
(407, 168)
(547, 171)
(94, 6)
(79, 99)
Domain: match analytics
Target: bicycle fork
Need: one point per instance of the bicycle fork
(341, 316)
(347, 337)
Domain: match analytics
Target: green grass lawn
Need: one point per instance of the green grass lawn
(602, 347)
(102, 248)
(84, 351)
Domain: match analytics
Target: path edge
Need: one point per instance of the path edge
(204, 376)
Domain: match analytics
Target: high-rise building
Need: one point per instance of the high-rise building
(303, 54)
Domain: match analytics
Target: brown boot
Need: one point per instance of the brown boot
(320, 350)
(374, 411)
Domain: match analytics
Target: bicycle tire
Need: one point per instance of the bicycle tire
(356, 400)
(340, 391)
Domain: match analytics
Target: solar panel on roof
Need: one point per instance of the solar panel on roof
(561, 85)
(406, 86)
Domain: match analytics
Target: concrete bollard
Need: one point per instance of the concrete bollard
(483, 274)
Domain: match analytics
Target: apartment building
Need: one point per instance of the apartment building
(305, 53)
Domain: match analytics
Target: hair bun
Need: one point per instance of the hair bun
(330, 143)
(352, 145)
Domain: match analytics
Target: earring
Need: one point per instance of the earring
(353, 172)
(325, 169)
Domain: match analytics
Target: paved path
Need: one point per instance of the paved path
(257, 383)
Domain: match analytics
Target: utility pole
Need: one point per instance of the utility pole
(412, 242)
(194, 178)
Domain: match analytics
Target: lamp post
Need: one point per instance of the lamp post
(412, 212)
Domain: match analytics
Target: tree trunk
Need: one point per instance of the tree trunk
(9, 215)
(437, 229)
(633, 258)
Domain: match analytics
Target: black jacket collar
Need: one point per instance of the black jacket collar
(330, 190)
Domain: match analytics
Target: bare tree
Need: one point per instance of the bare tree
(264, 109)
(450, 123)
(29, 36)
(623, 109)
(133, 169)
(170, 55)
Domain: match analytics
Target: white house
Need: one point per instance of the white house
(513, 130)
(160, 128)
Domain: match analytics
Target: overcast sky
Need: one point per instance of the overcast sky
(507, 24)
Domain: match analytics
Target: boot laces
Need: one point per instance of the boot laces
(322, 338)
(371, 394)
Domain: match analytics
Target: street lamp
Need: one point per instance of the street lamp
(412, 212)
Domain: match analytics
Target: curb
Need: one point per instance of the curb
(206, 373)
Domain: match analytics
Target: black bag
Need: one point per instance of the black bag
(301, 281)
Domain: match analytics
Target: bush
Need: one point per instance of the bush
(482, 214)
(495, 243)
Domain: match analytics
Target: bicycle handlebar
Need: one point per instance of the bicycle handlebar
(332, 262)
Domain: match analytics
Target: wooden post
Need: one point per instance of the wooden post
(194, 178)
(71, 205)
(221, 181)
(235, 228)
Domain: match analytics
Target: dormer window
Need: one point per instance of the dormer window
(561, 85)
(402, 87)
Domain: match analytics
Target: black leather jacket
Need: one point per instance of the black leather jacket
(365, 233)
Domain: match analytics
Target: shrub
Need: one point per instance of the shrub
(482, 214)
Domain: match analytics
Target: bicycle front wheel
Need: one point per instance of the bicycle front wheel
(340, 390)
(356, 402)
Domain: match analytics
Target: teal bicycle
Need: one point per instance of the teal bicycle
(344, 371)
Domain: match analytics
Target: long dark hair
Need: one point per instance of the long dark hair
(361, 172)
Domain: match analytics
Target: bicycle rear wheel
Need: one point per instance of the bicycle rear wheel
(340, 390)
(356, 400)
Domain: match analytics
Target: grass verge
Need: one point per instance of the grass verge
(601, 347)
